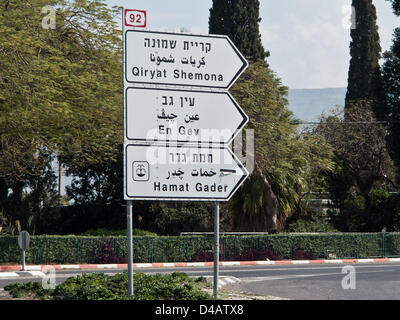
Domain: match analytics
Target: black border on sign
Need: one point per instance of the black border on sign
(238, 184)
(237, 75)
(237, 106)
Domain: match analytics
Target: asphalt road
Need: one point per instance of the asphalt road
(299, 282)
(327, 282)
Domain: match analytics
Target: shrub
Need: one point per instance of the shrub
(311, 222)
(203, 256)
(300, 254)
(372, 213)
(98, 286)
(264, 252)
(79, 249)
(167, 220)
(102, 232)
(106, 253)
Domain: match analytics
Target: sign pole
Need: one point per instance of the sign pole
(216, 248)
(23, 242)
(23, 260)
(130, 249)
(129, 230)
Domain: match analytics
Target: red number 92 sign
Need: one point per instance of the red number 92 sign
(135, 18)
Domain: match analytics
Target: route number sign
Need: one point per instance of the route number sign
(135, 18)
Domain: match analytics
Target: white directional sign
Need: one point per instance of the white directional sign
(175, 96)
(182, 173)
(159, 58)
(182, 116)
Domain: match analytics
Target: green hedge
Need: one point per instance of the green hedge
(323, 246)
(86, 249)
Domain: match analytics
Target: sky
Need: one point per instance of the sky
(308, 39)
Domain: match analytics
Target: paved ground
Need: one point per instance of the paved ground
(368, 282)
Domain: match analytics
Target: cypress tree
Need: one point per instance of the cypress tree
(391, 82)
(239, 20)
(396, 6)
(364, 78)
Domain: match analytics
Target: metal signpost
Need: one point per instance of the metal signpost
(179, 119)
(130, 249)
(216, 248)
(23, 242)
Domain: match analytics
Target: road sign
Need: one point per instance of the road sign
(135, 18)
(23, 240)
(162, 172)
(177, 116)
(160, 58)
(182, 116)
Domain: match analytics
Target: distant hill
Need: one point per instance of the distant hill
(308, 104)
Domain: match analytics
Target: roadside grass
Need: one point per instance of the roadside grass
(98, 286)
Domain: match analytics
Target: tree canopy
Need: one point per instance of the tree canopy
(239, 20)
(284, 159)
(61, 100)
(60, 92)
(396, 6)
(391, 81)
(364, 78)
(60, 88)
(360, 148)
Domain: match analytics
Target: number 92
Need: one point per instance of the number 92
(135, 18)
